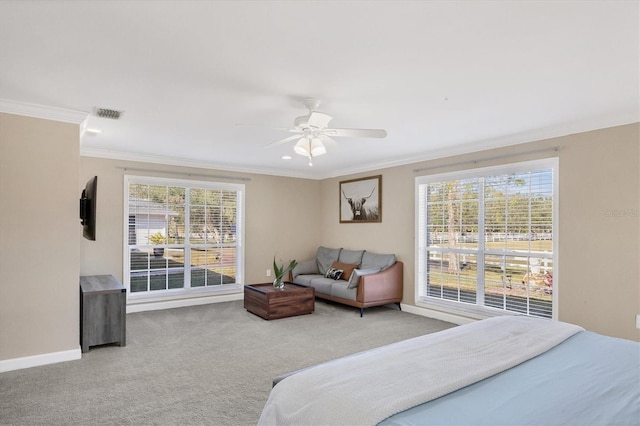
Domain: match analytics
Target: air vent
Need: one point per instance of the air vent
(108, 113)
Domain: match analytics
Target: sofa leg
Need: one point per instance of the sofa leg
(399, 307)
(361, 312)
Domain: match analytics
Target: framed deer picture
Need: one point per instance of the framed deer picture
(361, 200)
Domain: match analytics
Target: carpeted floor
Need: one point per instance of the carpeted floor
(209, 364)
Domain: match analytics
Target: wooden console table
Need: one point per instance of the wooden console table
(102, 311)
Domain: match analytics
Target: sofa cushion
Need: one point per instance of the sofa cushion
(305, 279)
(373, 260)
(346, 268)
(322, 284)
(325, 257)
(334, 273)
(351, 256)
(357, 273)
(341, 289)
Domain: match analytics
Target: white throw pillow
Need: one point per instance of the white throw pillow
(334, 274)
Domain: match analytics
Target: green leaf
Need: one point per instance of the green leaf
(280, 271)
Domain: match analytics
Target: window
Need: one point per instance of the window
(486, 240)
(182, 237)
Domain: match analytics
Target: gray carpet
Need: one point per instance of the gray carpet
(210, 364)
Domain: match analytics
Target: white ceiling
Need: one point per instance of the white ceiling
(442, 77)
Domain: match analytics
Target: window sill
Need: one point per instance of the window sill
(184, 300)
(181, 293)
(461, 309)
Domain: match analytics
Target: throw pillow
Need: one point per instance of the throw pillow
(373, 260)
(346, 267)
(325, 257)
(357, 273)
(334, 274)
(305, 267)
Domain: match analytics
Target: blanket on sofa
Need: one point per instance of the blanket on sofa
(369, 387)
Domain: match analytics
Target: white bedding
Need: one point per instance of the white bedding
(367, 388)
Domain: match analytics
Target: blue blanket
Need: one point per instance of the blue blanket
(587, 380)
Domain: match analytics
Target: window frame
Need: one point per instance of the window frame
(187, 291)
(475, 310)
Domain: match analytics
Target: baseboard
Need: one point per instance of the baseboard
(181, 303)
(442, 316)
(37, 360)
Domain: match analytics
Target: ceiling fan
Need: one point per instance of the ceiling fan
(312, 132)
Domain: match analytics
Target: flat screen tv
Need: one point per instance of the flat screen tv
(88, 209)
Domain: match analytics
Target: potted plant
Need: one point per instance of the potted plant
(280, 272)
(157, 239)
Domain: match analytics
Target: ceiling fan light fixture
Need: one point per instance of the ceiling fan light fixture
(310, 148)
(317, 147)
(312, 132)
(302, 147)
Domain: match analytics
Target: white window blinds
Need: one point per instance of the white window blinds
(486, 239)
(182, 236)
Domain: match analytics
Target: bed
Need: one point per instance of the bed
(500, 371)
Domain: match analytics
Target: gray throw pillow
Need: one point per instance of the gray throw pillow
(305, 267)
(325, 258)
(373, 260)
(357, 273)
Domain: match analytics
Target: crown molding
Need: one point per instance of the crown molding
(565, 129)
(42, 111)
(170, 161)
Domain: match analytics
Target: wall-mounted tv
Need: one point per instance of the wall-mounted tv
(88, 209)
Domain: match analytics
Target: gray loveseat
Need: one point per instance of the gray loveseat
(353, 277)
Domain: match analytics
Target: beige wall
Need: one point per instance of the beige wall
(600, 230)
(39, 230)
(598, 249)
(599, 227)
(281, 214)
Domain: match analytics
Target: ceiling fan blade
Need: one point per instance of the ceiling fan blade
(356, 133)
(265, 127)
(318, 120)
(285, 140)
(327, 140)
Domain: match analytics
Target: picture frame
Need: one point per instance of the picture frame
(361, 200)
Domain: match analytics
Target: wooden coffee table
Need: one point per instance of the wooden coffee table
(269, 303)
